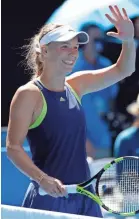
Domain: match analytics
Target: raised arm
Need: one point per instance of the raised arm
(88, 81)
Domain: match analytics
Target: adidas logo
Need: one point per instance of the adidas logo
(62, 99)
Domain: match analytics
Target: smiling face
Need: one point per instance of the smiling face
(61, 56)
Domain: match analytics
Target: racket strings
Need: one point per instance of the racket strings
(121, 192)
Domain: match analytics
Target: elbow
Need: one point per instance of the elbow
(13, 150)
(8, 148)
(9, 152)
(126, 71)
(131, 70)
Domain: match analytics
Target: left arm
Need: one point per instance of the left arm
(88, 81)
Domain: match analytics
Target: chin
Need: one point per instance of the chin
(67, 69)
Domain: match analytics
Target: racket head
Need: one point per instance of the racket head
(117, 186)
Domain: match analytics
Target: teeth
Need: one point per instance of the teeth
(68, 62)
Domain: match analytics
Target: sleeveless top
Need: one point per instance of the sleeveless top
(57, 139)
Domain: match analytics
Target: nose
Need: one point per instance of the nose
(73, 55)
(73, 50)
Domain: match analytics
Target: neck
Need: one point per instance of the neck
(53, 81)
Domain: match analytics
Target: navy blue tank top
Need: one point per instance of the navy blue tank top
(58, 143)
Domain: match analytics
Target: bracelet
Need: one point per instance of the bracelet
(41, 178)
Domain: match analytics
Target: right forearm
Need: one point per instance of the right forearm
(23, 162)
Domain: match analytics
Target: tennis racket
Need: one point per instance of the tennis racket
(116, 186)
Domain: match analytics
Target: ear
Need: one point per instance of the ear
(44, 52)
(44, 49)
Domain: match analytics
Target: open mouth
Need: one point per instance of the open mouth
(69, 63)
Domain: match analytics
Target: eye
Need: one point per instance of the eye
(76, 47)
(64, 47)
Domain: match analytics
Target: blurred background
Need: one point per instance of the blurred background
(106, 111)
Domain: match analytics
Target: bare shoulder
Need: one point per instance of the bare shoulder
(28, 92)
(28, 89)
(26, 96)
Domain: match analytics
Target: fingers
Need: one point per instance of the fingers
(117, 15)
(113, 34)
(114, 12)
(61, 188)
(110, 19)
(58, 189)
(55, 192)
(53, 187)
(125, 13)
(118, 12)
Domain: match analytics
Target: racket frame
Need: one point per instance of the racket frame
(81, 187)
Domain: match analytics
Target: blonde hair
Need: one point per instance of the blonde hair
(32, 58)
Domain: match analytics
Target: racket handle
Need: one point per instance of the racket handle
(69, 189)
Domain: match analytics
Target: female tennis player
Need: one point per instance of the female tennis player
(47, 110)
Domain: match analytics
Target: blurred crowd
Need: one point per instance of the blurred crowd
(112, 129)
